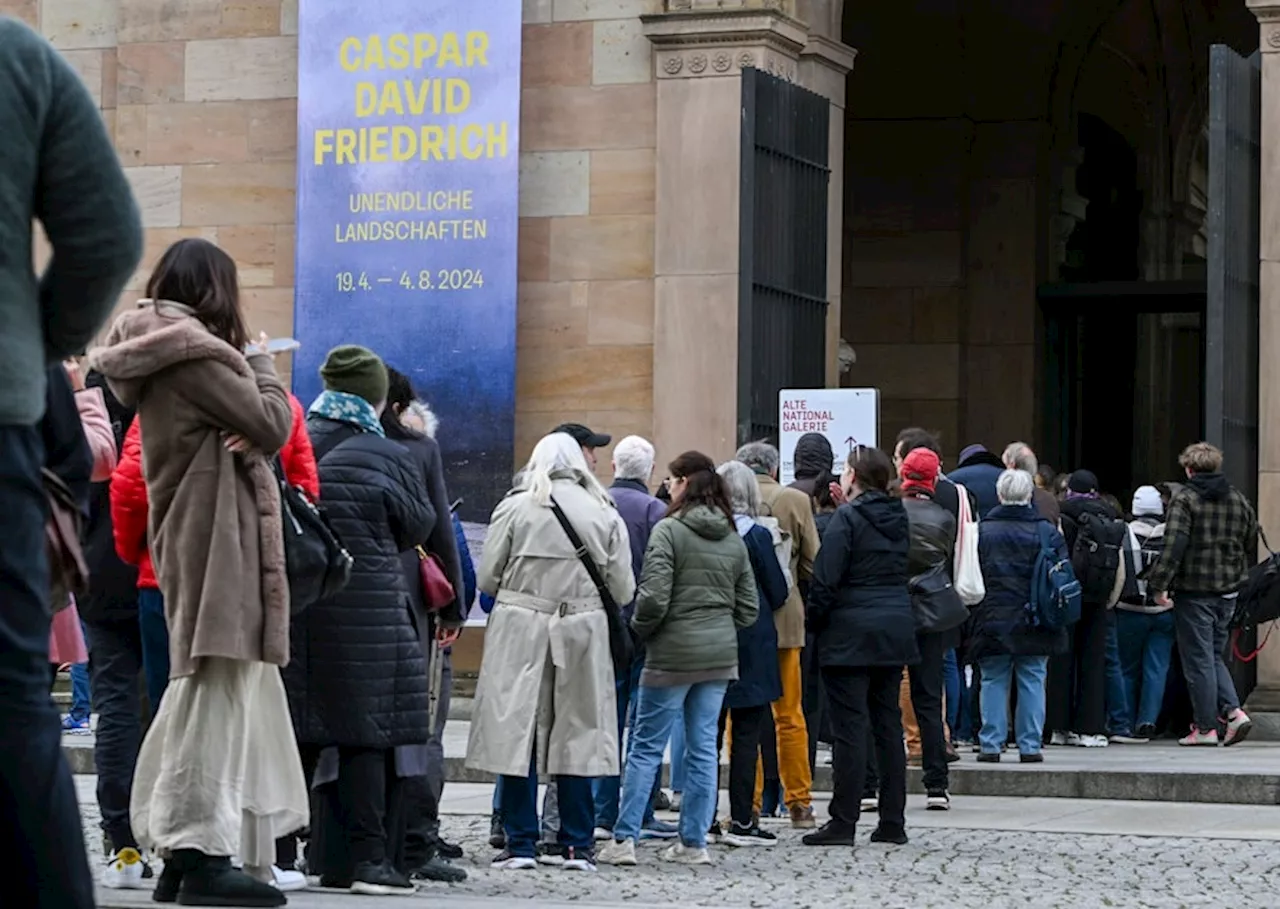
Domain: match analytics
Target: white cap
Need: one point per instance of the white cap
(1147, 502)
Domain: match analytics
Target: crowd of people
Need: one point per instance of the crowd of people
(880, 605)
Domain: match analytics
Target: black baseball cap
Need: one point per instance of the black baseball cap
(583, 436)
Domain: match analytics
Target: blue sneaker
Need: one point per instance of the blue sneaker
(74, 726)
(659, 830)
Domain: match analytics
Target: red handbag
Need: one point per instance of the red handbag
(437, 592)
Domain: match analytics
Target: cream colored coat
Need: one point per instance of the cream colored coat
(547, 675)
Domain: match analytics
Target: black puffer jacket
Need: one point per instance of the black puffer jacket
(859, 609)
(358, 675)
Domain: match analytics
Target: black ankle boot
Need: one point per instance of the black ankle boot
(211, 881)
(832, 833)
(171, 877)
(886, 834)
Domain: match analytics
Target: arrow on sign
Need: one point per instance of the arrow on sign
(851, 441)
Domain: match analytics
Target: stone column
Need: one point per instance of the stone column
(701, 47)
(1266, 696)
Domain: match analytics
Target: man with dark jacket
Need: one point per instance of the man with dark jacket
(1210, 541)
(977, 472)
(632, 471)
(58, 166)
(1019, 456)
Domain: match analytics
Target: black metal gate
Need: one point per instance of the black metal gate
(1231, 317)
(782, 309)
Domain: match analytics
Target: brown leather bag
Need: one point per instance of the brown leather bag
(68, 571)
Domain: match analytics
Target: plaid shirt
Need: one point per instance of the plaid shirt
(1209, 544)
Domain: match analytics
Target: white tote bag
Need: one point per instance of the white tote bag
(968, 573)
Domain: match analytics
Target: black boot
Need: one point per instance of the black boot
(209, 880)
(832, 833)
(888, 834)
(171, 878)
(497, 833)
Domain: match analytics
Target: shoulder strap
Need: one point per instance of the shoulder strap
(333, 440)
(580, 550)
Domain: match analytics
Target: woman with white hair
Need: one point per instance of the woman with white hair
(546, 689)
(1004, 642)
(759, 682)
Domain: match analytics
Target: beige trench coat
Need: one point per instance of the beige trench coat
(547, 676)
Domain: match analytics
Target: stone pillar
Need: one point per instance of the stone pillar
(1266, 696)
(701, 47)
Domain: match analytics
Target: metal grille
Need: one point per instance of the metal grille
(1231, 323)
(782, 314)
(1231, 311)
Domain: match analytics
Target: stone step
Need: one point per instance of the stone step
(1246, 775)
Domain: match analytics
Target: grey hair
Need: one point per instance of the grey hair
(741, 485)
(633, 459)
(760, 457)
(1015, 487)
(1019, 456)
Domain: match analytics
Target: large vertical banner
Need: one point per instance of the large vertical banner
(408, 129)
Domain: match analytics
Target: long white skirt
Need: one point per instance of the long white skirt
(219, 769)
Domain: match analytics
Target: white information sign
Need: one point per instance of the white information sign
(846, 416)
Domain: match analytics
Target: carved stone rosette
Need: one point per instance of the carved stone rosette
(696, 41)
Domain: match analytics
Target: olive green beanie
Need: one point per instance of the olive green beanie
(356, 370)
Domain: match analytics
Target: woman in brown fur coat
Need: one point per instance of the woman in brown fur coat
(218, 774)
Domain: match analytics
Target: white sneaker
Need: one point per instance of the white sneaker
(1058, 738)
(615, 853)
(124, 871)
(601, 835)
(1238, 727)
(1074, 739)
(676, 801)
(680, 854)
(505, 861)
(287, 881)
(1093, 741)
(870, 804)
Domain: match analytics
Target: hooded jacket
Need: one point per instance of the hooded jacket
(859, 608)
(811, 461)
(1210, 539)
(794, 513)
(128, 495)
(215, 526)
(696, 591)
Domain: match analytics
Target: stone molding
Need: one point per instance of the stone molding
(1267, 13)
(691, 43)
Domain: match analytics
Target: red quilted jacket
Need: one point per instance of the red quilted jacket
(129, 490)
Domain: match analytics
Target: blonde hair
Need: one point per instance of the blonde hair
(559, 453)
(1201, 458)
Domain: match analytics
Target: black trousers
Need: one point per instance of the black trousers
(862, 700)
(45, 865)
(744, 749)
(1077, 683)
(926, 698)
(115, 666)
(813, 700)
(287, 846)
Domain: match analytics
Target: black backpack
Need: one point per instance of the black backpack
(1096, 557)
(1258, 602)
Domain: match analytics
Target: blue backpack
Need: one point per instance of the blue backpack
(1055, 592)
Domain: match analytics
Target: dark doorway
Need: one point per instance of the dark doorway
(1122, 379)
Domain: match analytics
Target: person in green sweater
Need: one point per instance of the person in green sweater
(696, 590)
(57, 166)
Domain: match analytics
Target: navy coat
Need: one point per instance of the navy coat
(759, 681)
(1008, 546)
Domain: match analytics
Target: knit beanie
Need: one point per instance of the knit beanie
(1083, 482)
(1147, 502)
(356, 371)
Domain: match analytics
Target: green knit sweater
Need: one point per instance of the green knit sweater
(57, 166)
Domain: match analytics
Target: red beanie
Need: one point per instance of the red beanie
(920, 470)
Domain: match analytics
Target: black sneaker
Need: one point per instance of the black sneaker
(937, 800)
(716, 833)
(739, 835)
(578, 859)
(989, 757)
(551, 854)
(832, 833)
(380, 879)
(438, 869)
(1147, 731)
(662, 801)
(1036, 758)
(895, 835)
(447, 850)
(497, 833)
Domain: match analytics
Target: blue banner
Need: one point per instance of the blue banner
(408, 182)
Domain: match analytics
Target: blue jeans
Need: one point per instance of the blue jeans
(677, 755)
(497, 796)
(998, 672)
(155, 644)
(657, 710)
(80, 699)
(1146, 647)
(1119, 703)
(951, 686)
(608, 789)
(519, 807)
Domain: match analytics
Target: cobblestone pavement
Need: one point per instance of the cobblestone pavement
(951, 868)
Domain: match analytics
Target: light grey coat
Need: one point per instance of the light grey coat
(547, 676)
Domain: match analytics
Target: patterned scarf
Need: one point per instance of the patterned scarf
(345, 408)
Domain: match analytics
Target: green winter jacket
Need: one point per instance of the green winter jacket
(696, 591)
